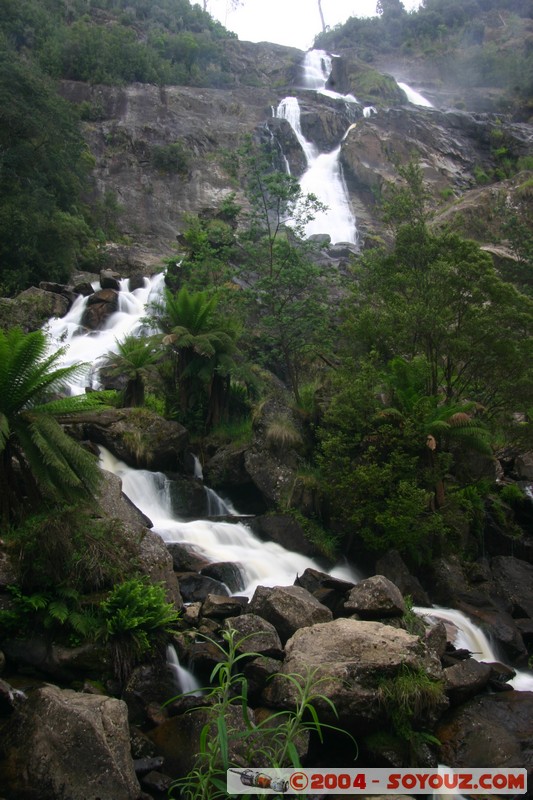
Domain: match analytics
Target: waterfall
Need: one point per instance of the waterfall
(261, 563)
(472, 638)
(415, 97)
(89, 347)
(185, 681)
(323, 176)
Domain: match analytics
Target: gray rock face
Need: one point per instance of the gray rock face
(62, 745)
(514, 581)
(375, 597)
(288, 608)
(350, 658)
(156, 564)
(114, 502)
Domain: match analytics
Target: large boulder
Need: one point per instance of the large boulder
(32, 308)
(255, 635)
(288, 608)
(514, 581)
(374, 598)
(352, 659)
(114, 503)
(137, 436)
(286, 531)
(62, 745)
(156, 563)
(100, 306)
(494, 730)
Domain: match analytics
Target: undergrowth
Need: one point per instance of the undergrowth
(270, 743)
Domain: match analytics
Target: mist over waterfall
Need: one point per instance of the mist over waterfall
(323, 176)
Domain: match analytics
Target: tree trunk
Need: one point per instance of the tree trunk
(321, 15)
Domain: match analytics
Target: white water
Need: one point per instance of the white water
(415, 97)
(470, 637)
(261, 563)
(89, 347)
(316, 69)
(323, 176)
(186, 682)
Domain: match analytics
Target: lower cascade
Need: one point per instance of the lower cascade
(261, 563)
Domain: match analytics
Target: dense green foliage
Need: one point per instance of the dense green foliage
(118, 41)
(39, 462)
(44, 169)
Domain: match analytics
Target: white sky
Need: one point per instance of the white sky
(290, 22)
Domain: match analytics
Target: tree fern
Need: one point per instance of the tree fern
(38, 460)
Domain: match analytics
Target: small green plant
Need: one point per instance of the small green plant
(409, 695)
(273, 741)
(512, 494)
(135, 619)
(281, 435)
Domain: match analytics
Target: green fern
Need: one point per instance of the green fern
(50, 463)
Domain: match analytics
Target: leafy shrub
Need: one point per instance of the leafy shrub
(171, 158)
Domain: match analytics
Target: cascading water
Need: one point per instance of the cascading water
(323, 176)
(261, 563)
(415, 97)
(89, 347)
(185, 681)
(472, 638)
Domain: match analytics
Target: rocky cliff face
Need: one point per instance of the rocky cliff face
(129, 126)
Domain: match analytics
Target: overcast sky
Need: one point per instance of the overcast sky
(290, 22)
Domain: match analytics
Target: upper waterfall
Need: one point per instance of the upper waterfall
(323, 176)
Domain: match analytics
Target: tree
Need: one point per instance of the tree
(135, 360)
(438, 295)
(322, 20)
(287, 291)
(39, 462)
(44, 165)
(203, 345)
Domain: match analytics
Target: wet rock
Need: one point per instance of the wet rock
(62, 745)
(374, 598)
(225, 572)
(100, 306)
(255, 635)
(466, 679)
(220, 607)
(493, 730)
(351, 659)
(186, 558)
(196, 587)
(258, 672)
(110, 279)
(288, 608)
(284, 530)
